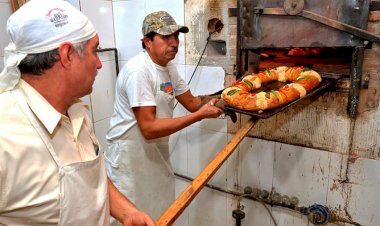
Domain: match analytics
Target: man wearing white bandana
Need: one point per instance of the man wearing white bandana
(51, 168)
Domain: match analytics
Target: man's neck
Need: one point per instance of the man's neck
(53, 91)
(156, 60)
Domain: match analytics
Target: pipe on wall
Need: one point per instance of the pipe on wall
(316, 214)
(115, 54)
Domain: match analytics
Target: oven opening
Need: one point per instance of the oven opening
(334, 60)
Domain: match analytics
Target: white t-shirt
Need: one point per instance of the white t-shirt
(137, 85)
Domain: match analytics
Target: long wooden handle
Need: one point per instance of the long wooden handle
(179, 205)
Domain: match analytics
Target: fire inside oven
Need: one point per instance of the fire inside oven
(326, 36)
(321, 59)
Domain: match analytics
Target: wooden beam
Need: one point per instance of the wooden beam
(15, 4)
(179, 205)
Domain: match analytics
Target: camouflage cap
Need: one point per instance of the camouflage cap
(162, 23)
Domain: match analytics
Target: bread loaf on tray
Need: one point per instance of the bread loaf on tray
(242, 95)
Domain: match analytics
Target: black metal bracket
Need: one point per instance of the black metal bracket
(323, 20)
(374, 6)
(356, 79)
(116, 56)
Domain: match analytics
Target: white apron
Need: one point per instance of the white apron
(141, 168)
(83, 185)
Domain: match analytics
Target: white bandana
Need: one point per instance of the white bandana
(40, 26)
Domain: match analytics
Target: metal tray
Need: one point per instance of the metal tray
(327, 81)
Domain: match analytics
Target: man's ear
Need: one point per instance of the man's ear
(147, 42)
(66, 51)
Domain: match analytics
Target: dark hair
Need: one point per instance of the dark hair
(150, 36)
(37, 63)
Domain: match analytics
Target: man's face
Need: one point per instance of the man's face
(87, 67)
(163, 48)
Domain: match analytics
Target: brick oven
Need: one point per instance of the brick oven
(260, 34)
(329, 37)
(338, 39)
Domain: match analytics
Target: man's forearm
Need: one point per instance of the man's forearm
(124, 211)
(120, 206)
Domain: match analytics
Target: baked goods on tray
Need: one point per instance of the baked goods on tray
(304, 52)
(242, 95)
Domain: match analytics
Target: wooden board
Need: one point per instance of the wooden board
(179, 205)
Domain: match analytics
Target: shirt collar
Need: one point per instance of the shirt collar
(46, 113)
(77, 113)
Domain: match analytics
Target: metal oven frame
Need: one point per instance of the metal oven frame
(341, 26)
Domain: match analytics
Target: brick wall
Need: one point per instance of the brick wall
(371, 67)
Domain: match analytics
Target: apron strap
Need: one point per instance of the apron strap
(32, 118)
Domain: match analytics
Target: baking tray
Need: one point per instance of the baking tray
(327, 81)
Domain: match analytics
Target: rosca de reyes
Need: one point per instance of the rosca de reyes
(241, 95)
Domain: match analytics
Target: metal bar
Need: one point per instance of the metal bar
(356, 78)
(238, 39)
(374, 6)
(256, 21)
(341, 26)
(323, 20)
(179, 205)
(270, 11)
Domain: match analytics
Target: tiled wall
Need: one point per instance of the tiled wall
(5, 12)
(313, 176)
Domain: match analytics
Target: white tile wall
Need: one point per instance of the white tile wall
(5, 12)
(286, 217)
(128, 17)
(178, 141)
(122, 63)
(87, 100)
(206, 80)
(183, 219)
(179, 152)
(101, 15)
(301, 172)
(208, 209)
(103, 94)
(203, 146)
(364, 177)
(200, 85)
(1, 63)
(252, 165)
(336, 195)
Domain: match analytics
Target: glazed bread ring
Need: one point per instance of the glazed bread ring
(241, 94)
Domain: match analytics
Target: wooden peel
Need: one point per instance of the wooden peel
(179, 205)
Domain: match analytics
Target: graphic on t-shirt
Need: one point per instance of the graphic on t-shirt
(166, 87)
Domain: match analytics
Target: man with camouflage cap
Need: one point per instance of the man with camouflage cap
(162, 23)
(138, 154)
